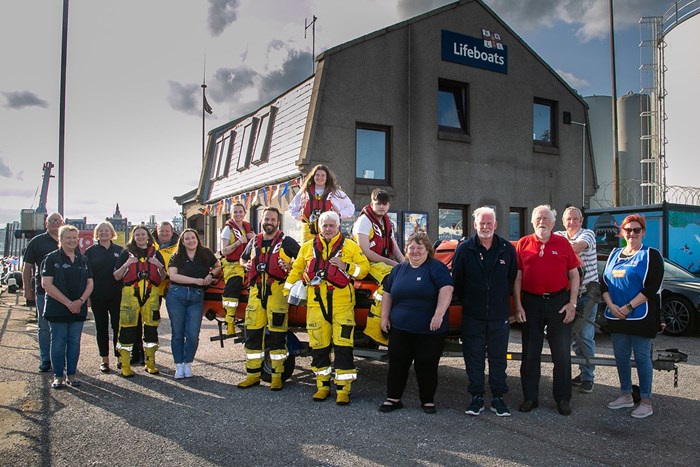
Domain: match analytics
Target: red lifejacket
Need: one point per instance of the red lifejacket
(236, 234)
(382, 241)
(323, 267)
(143, 269)
(267, 262)
(313, 206)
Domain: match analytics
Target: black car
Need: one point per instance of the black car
(680, 295)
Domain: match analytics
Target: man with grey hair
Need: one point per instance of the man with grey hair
(583, 330)
(549, 281)
(34, 255)
(484, 270)
(328, 264)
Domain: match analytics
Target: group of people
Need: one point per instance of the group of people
(124, 287)
(550, 277)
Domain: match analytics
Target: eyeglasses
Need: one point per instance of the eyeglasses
(542, 250)
(636, 230)
(54, 220)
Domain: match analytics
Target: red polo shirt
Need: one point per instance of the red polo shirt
(547, 273)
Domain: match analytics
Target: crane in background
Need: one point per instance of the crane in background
(32, 220)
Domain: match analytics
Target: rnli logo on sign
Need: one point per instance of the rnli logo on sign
(487, 52)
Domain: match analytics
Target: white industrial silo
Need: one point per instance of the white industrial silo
(681, 35)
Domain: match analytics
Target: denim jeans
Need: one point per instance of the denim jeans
(583, 329)
(65, 347)
(43, 333)
(184, 306)
(623, 346)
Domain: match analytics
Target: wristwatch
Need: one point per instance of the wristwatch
(629, 307)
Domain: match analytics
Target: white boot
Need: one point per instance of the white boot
(187, 370)
(179, 370)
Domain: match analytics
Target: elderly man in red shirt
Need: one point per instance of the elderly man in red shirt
(548, 278)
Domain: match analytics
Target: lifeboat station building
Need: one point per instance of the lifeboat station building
(447, 111)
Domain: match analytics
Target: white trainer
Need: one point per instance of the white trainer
(187, 370)
(179, 370)
(622, 402)
(642, 411)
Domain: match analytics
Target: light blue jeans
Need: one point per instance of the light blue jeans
(65, 347)
(583, 330)
(43, 332)
(185, 309)
(623, 346)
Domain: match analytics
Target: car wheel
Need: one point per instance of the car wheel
(678, 315)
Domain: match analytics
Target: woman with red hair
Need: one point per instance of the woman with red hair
(631, 289)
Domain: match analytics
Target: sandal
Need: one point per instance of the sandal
(57, 383)
(389, 406)
(429, 408)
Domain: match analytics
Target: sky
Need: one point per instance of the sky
(134, 70)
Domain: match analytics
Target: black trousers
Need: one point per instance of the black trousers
(539, 313)
(479, 339)
(106, 311)
(421, 350)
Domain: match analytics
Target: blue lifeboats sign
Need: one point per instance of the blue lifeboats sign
(487, 52)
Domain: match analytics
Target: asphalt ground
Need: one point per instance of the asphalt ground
(206, 420)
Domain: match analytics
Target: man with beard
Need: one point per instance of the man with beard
(549, 281)
(484, 269)
(267, 260)
(36, 251)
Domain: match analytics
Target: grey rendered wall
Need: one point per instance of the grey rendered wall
(392, 79)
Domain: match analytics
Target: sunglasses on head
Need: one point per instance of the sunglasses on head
(636, 230)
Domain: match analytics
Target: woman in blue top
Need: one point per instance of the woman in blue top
(417, 295)
(67, 280)
(631, 290)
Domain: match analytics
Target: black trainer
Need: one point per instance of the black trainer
(499, 407)
(476, 406)
(576, 381)
(586, 387)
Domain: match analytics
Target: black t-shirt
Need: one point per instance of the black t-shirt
(102, 261)
(195, 269)
(37, 249)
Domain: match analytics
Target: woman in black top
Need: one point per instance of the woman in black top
(67, 280)
(192, 269)
(106, 295)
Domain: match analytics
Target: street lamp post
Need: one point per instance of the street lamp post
(583, 163)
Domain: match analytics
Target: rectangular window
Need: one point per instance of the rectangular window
(544, 122)
(262, 140)
(516, 223)
(246, 143)
(218, 162)
(229, 152)
(372, 154)
(453, 107)
(452, 221)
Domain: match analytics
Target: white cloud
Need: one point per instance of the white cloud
(590, 17)
(573, 80)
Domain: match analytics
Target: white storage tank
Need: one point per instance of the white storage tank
(682, 77)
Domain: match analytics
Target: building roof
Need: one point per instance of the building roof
(257, 150)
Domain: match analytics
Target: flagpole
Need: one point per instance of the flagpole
(204, 87)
